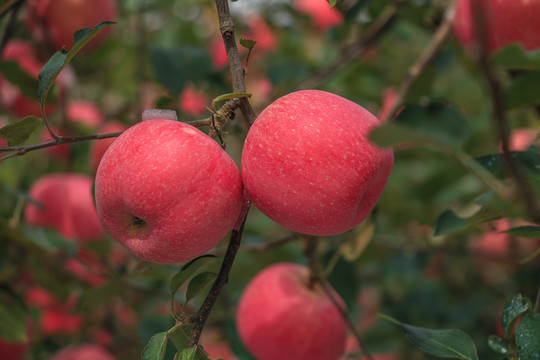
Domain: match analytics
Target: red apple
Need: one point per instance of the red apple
(99, 147)
(65, 204)
(505, 22)
(280, 317)
(167, 191)
(84, 112)
(308, 164)
(83, 352)
(56, 21)
(192, 101)
(320, 12)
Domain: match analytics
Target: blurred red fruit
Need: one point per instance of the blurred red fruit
(65, 204)
(56, 21)
(505, 22)
(83, 352)
(320, 12)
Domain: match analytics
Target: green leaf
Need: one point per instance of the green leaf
(156, 347)
(173, 67)
(517, 57)
(528, 337)
(189, 270)
(13, 317)
(19, 131)
(230, 96)
(516, 306)
(49, 240)
(15, 75)
(180, 334)
(451, 343)
(497, 344)
(526, 231)
(61, 58)
(332, 3)
(433, 124)
(477, 212)
(523, 91)
(248, 44)
(528, 161)
(392, 133)
(188, 353)
(198, 284)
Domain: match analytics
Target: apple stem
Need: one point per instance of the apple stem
(221, 279)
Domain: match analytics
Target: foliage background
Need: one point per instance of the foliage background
(406, 271)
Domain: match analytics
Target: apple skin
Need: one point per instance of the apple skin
(506, 22)
(167, 191)
(307, 163)
(279, 317)
(56, 21)
(99, 147)
(68, 206)
(320, 12)
(83, 352)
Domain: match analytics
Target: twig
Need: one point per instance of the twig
(537, 303)
(237, 71)
(523, 188)
(13, 6)
(354, 50)
(425, 58)
(21, 150)
(221, 280)
(343, 311)
(316, 276)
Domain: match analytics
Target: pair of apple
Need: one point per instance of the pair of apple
(169, 193)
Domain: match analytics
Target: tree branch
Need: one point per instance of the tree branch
(524, 191)
(226, 27)
(221, 280)
(354, 50)
(21, 150)
(423, 61)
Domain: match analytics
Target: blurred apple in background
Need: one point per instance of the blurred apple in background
(320, 12)
(192, 101)
(13, 351)
(11, 98)
(521, 138)
(64, 201)
(84, 112)
(218, 53)
(280, 317)
(83, 352)
(505, 22)
(55, 21)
